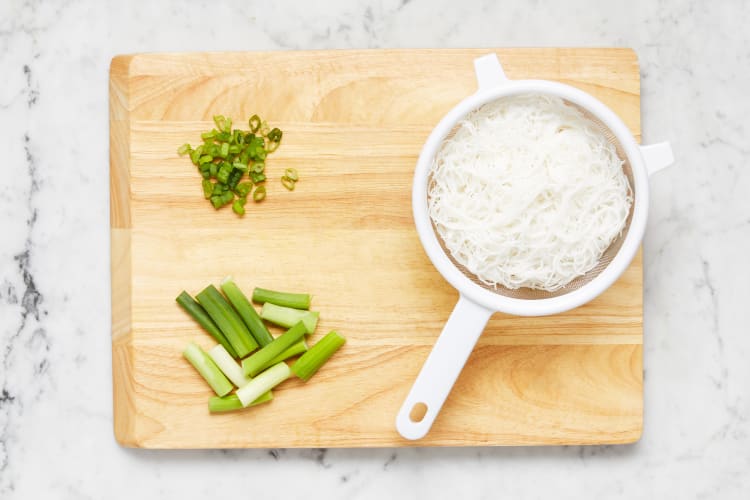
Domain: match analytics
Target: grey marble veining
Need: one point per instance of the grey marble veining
(55, 396)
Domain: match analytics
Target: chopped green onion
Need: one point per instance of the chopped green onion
(243, 189)
(310, 362)
(254, 123)
(219, 121)
(252, 365)
(205, 170)
(288, 317)
(208, 369)
(288, 183)
(223, 174)
(228, 365)
(257, 178)
(196, 311)
(208, 188)
(227, 320)
(246, 311)
(234, 178)
(259, 194)
(286, 299)
(264, 382)
(226, 155)
(291, 174)
(238, 207)
(274, 135)
(264, 128)
(231, 402)
(194, 157)
(296, 349)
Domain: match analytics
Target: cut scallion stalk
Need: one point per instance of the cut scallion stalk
(296, 349)
(247, 312)
(288, 317)
(310, 362)
(264, 382)
(227, 320)
(286, 299)
(231, 402)
(208, 369)
(254, 364)
(228, 365)
(200, 315)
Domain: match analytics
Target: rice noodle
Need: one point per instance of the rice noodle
(528, 193)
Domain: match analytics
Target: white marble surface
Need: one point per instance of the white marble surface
(55, 401)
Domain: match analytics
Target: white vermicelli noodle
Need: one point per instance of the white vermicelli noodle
(528, 193)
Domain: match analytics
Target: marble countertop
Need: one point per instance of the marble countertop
(56, 437)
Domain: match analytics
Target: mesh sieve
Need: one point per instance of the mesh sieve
(607, 256)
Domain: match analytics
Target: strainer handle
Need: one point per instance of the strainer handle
(657, 156)
(442, 368)
(489, 72)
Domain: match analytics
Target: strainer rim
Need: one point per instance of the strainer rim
(542, 306)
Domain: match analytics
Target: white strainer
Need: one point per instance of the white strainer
(478, 301)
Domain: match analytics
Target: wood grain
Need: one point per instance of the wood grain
(354, 123)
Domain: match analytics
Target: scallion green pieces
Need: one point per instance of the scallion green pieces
(264, 382)
(254, 364)
(200, 315)
(227, 365)
(247, 312)
(286, 299)
(288, 317)
(310, 362)
(291, 174)
(231, 402)
(295, 350)
(227, 155)
(208, 369)
(227, 320)
(233, 321)
(254, 123)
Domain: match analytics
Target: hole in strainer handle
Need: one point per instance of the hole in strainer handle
(440, 371)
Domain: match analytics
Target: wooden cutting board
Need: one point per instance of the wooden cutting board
(354, 123)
